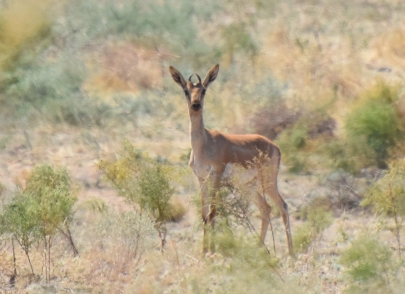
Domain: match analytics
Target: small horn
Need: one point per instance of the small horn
(189, 79)
(199, 79)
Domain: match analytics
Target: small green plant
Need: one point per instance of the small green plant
(250, 268)
(387, 198)
(145, 183)
(21, 222)
(40, 210)
(317, 220)
(374, 126)
(368, 265)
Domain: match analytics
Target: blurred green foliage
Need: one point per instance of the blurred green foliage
(45, 80)
(170, 24)
(387, 199)
(369, 266)
(25, 26)
(43, 205)
(146, 184)
(387, 195)
(142, 181)
(41, 209)
(374, 126)
(249, 268)
(52, 197)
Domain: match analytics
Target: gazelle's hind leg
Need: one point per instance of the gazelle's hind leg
(283, 207)
(269, 183)
(265, 210)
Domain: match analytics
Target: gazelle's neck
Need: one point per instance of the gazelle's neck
(197, 131)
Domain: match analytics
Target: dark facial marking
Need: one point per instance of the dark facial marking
(196, 106)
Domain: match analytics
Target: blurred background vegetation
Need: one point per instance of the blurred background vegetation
(323, 79)
(299, 79)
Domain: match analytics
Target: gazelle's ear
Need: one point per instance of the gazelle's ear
(177, 77)
(211, 75)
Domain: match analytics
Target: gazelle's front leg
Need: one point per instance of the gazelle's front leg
(204, 211)
(215, 184)
(209, 188)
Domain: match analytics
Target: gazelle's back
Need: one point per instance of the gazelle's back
(242, 148)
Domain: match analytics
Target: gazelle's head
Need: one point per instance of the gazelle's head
(195, 92)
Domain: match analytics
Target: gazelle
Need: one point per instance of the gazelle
(213, 154)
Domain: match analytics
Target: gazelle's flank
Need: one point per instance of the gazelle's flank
(212, 153)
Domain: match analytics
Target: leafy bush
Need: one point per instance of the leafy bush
(387, 198)
(41, 209)
(368, 265)
(374, 126)
(145, 183)
(21, 221)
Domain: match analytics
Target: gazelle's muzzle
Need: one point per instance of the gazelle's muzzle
(196, 106)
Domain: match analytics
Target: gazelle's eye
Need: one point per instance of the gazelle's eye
(186, 93)
(203, 91)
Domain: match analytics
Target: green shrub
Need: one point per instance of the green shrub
(387, 198)
(303, 238)
(368, 265)
(146, 184)
(22, 222)
(52, 197)
(41, 209)
(374, 126)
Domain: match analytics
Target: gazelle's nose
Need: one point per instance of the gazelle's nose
(196, 106)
